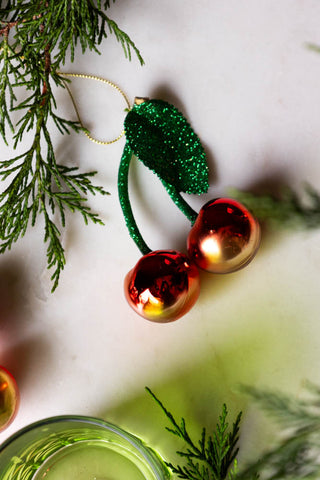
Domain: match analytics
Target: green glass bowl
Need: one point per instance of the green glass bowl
(78, 448)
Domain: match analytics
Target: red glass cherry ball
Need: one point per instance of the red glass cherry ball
(163, 286)
(9, 398)
(224, 237)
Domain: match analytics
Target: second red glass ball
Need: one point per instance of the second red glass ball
(224, 237)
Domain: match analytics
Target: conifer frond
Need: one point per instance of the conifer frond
(287, 210)
(296, 453)
(294, 456)
(36, 39)
(5, 86)
(213, 457)
(40, 185)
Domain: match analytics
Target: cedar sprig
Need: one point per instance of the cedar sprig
(213, 457)
(39, 185)
(5, 86)
(296, 454)
(37, 37)
(286, 210)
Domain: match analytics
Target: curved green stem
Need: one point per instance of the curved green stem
(125, 202)
(180, 202)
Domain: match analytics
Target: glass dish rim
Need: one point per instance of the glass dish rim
(152, 457)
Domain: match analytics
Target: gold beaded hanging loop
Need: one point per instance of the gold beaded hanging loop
(99, 79)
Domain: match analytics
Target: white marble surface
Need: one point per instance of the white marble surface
(241, 73)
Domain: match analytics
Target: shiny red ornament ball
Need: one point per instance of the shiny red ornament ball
(163, 286)
(224, 237)
(9, 398)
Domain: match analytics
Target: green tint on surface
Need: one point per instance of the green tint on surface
(196, 380)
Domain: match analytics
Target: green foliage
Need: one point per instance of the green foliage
(36, 39)
(213, 457)
(286, 211)
(296, 454)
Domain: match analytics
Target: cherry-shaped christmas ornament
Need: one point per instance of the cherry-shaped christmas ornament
(164, 284)
(224, 238)
(9, 398)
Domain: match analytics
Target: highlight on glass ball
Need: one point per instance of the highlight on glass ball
(163, 286)
(224, 238)
(9, 398)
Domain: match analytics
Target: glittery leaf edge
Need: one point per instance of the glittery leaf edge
(161, 137)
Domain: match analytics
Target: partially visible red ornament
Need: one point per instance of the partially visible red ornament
(9, 398)
(224, 237)
(163, 286)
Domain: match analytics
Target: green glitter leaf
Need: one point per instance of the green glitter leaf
(161, 137)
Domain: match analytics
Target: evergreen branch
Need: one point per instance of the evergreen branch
(314, 47)
(286, 211)
(296, 455)
(214, 456)
(64, 25)
(288, 411)
(37, 37)
(123, 38)
(33, 178)
(5, 85)
(55, 251)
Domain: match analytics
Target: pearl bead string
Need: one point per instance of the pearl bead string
(99, 79)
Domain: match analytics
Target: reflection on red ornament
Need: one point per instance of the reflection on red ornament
(9, 398)
(224, 237)
(163, 286)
